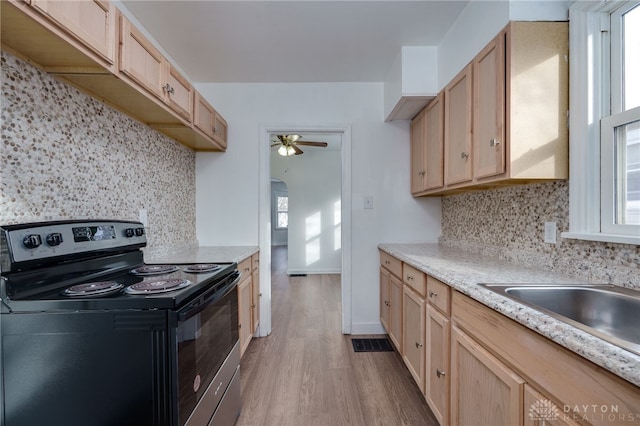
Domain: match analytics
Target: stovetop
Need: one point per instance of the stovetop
(40, 261)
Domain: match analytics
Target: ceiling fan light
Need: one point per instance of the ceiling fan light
(286, 151)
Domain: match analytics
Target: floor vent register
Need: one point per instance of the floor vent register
(371, 345)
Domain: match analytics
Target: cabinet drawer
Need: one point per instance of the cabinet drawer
(439, 295)
(414, 279)
(392, 264)
(244, 267)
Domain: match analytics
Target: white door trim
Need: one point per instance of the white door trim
(265, 219)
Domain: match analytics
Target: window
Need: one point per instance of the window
(604, 203)
(282, 211)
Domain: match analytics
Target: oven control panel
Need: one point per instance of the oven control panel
(44, 240)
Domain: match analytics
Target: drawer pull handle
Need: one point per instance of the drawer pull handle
(418, 345)
(409, 277)
(494, 142)
(464, 155)
(439, 373)
(433, 294)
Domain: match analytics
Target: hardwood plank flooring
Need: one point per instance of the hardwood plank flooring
(306, 373)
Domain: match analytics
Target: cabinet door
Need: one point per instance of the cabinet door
(220, 130)
(414, 336)
(489, 110)
(255, 300)
(434, 144)
(418, 153)
(179, 93)
(437, 364)
(204, 116)
(484, 391)
(93, 22)
(140, 60)
(244, 312)
(540, 411)
(384, 298)
(457, 128)
(395, 311)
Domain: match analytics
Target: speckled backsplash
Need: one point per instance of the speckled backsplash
(65, 155)
(508, 223)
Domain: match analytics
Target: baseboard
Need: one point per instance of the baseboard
(313, 272)
(367, 328)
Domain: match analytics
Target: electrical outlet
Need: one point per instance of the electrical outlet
(550, 232)
(142, 217)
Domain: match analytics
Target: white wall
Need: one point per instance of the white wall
(227, 184)
(313, 180)
(480, 21)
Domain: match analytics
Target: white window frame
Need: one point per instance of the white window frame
(280, 194)
(590, 101)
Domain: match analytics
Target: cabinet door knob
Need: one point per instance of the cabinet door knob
(215, 130)
(167, 88)
(418, 345)
(464, 155)
(409, 277)
(432, 294)
(439, 373)
(494, 142)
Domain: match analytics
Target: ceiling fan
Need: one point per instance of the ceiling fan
(289, 144)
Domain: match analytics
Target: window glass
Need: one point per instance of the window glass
(282, 211)
(627, 146)
(631, 57)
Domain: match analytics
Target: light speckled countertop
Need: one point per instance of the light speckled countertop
(464, 270)
(199, 254)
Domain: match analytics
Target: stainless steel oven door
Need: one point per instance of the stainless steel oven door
(207, 331)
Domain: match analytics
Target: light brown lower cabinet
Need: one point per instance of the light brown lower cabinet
(413, 350)
(484, 391)
(244, 312)
(437, 371)
(476, 366)
(541, 411)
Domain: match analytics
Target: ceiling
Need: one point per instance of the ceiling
(292, 41)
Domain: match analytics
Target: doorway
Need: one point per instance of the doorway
(320, 231)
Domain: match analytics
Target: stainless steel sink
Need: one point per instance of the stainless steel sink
(607, 311)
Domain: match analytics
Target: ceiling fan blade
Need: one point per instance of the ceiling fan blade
(276, 144)
(296, 149)
(322, 144)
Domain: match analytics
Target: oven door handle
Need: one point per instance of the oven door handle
(204, 301)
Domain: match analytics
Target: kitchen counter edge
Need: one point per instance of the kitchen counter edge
(200, 254)
(463, 271)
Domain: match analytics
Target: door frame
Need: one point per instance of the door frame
(264, 225)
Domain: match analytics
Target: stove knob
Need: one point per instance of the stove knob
(54, 239)
(139, 232)
(129, 232)
(32, 241)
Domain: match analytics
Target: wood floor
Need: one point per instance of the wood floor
(306, 373)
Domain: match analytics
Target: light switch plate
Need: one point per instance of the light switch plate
(368, 201)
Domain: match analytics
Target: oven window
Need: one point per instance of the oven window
(204, 341)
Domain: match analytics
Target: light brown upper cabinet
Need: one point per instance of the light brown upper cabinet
(209, 122)
(92, 21)
(418, 157)
(90, 45)
(506, 113)
(457, 128)
(427, 142)
(62, 36)
(179, 93)
(488, 110)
